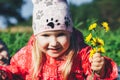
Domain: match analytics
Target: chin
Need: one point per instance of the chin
(54, 55)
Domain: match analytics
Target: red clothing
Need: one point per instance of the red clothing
(20, 66)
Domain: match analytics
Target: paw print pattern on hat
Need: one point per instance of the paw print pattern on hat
(51, 15)
(67, 21)
(39, 14)
(52, 23)
(48, 2)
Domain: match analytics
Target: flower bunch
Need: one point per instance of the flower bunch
(94, 39)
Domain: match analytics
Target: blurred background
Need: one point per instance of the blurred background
(16, 21)
(20, 12)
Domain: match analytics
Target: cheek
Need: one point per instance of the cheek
(64, 41)
(42, 43)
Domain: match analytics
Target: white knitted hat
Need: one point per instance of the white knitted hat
(51, 15)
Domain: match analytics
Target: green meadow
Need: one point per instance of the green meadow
(16, 40)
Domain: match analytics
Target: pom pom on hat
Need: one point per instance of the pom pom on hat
(51, 15)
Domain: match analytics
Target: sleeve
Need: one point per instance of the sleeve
(110, 71)
(19, 64)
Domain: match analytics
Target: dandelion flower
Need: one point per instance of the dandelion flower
(92, 26)
(97, 42)
(106, 27)
(92, 52)
(100, 42)
(101, 50)
(94, 37)
(88, 38)
(94, 41)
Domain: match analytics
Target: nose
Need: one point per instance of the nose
(53, 41)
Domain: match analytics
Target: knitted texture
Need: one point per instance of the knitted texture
(49, 15)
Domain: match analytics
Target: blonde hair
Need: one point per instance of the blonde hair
(38, 59)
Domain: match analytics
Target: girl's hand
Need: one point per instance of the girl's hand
(97, 63)
(3, 75)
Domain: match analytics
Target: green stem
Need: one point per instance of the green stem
(92, 76)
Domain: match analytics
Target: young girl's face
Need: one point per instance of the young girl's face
(54, 43)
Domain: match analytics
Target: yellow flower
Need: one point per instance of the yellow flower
(92, 26)
(92, 52)
(100, 42)
(93, 38)
(97, 42)
(88, 38)
(94, 41)
(101, 50)
(106, 27)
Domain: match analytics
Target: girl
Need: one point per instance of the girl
(56, 51)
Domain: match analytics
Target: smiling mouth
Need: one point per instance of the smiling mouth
(54, 49)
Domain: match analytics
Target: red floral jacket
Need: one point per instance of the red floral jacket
(20, 67)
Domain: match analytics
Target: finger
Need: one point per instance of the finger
(97, 57)
(96, 67)
(102, 60)
(98, 61)
(94, 56)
